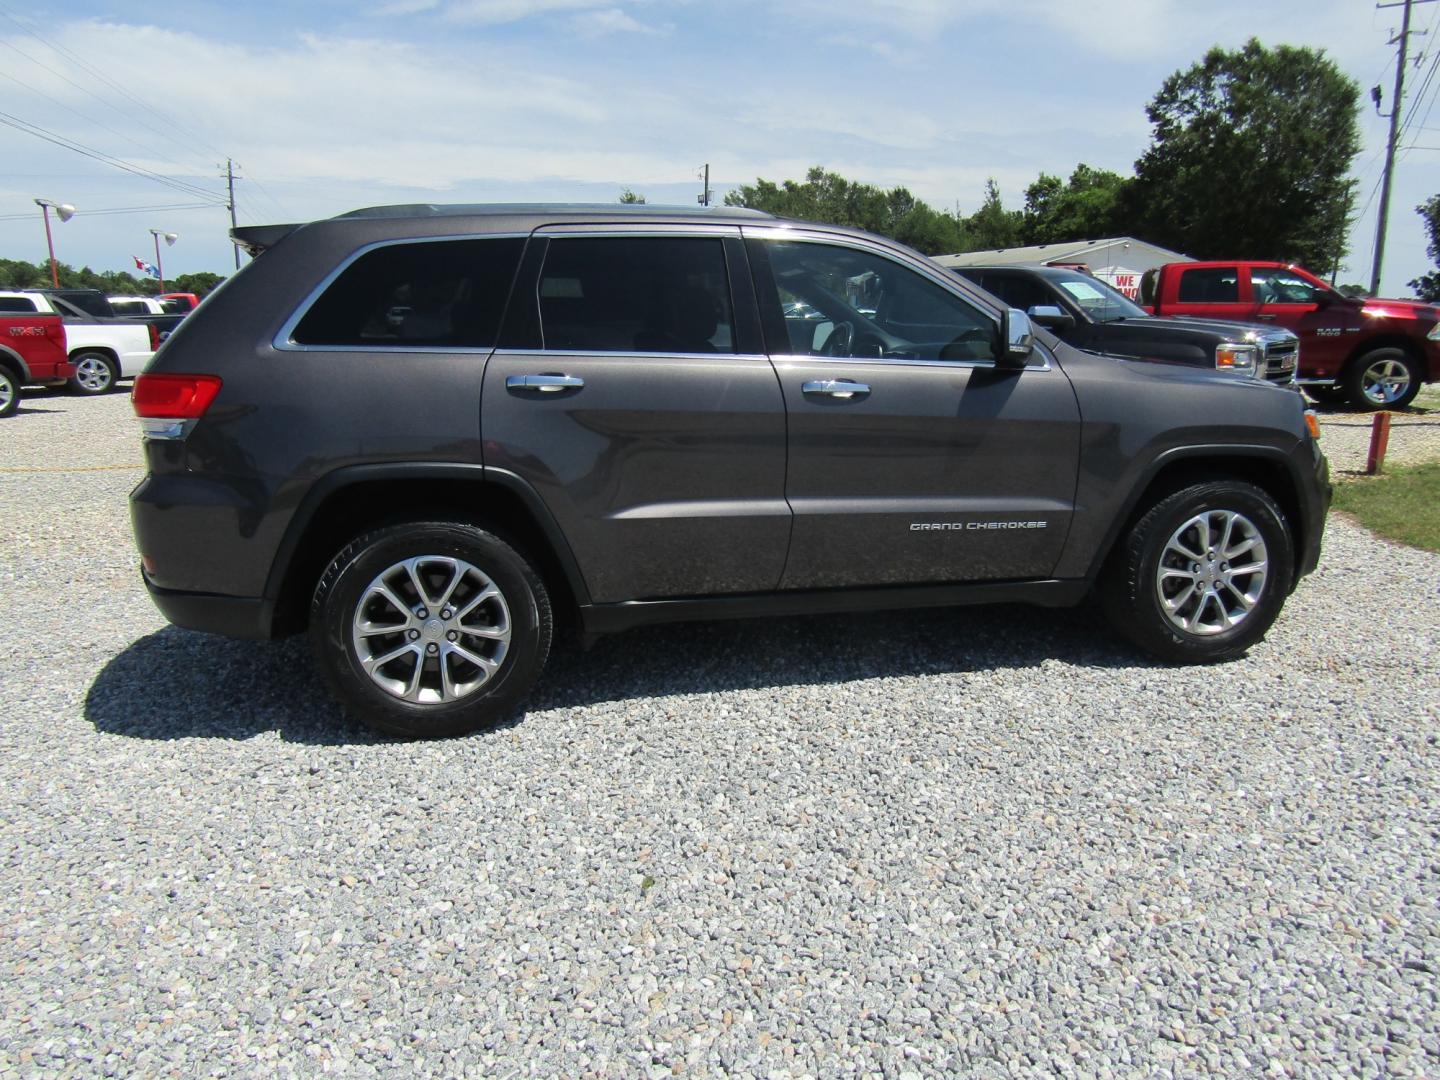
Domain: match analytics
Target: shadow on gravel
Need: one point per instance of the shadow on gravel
(176, 684)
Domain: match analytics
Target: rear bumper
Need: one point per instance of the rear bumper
(210, 613)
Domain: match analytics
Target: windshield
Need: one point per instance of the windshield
(1100, 301)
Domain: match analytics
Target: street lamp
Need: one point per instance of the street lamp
(170, 239)
(64, 211)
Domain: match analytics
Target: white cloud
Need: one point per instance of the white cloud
(610, 21)
(496, 12)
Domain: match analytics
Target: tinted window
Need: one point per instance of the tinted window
(444, 292)
(129, 307)
(875, 307)
(16, 303)
(646, 294)
(1212, 285)
(1019, 291)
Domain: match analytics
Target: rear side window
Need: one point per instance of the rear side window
(17, 303)
(129, 307)
(636, 295)
(1211, 285)
(440, 293)
(1020, 292)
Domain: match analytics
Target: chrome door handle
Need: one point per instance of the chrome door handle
(840, 388)
(545, 384)
(1259, 316)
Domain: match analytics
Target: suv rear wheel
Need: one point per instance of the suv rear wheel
(1203, 573)
(430, 629)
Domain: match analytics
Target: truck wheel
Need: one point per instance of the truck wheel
(9, 392)
(1382, 379)
(430, 629)
(1203, 573)
(95, 373)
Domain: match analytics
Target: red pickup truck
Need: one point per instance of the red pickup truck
(32, 352)
(1373, 353)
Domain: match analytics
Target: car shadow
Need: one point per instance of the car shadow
(175, 684)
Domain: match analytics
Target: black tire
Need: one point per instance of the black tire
(9, 392)
(523, 606)
(95, 373)
(1132, 594)
(1360, 376)
(1328, 395)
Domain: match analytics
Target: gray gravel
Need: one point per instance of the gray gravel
(992, 842)
(1414, 435)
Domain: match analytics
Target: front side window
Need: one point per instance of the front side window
(644, 294)
(1274, 286)
(433, 293)
(1210, 285)
(870, 306)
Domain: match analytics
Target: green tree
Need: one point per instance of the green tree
(1086, 208)
(628, 196)
(1427, 286)
(1250, 157)
(19, 274)
(201, 283)
(830, 198)
(992, 226)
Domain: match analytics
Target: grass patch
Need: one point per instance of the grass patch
(1402, 504)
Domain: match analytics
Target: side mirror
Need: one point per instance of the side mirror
(1017, 338)
(1053, 316)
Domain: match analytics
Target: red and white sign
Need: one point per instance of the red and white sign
(1125, 281)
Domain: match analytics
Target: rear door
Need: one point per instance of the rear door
(1212, 292)
(630, 390)
(912, 457)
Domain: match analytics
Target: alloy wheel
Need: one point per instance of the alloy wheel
(431, 629)
(93, 374)
(1212, 573)
(1385, 382)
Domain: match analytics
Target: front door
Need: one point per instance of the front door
(913, 458)
(1326, 330)
(631, 393)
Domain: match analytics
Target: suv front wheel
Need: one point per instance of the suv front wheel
(1202, 574)
(430, 629)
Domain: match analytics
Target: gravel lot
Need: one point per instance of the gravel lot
(991, 842)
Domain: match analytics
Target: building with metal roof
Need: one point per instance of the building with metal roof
(1119, 260)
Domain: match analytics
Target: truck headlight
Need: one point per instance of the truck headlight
(1237, 358)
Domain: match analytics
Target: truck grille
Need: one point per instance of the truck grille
(1282, 359)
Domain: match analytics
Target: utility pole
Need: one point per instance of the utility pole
(230, 178)
(704, 199)
(1404, 43)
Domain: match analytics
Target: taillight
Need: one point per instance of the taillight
(169, 405)
(154, 336)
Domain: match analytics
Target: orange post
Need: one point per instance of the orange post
(1379, 443)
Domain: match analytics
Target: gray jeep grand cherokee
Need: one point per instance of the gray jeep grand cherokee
(424, 431)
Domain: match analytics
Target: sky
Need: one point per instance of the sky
(330, 105)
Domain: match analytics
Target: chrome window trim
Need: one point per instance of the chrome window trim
(611, 231)
(901, 362)
(603, 354)
(284, 340)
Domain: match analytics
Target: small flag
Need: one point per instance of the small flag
(146, 268)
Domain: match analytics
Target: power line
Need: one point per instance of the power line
(169, 121)
(107, 159)
(83, 116)
(170, 209)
